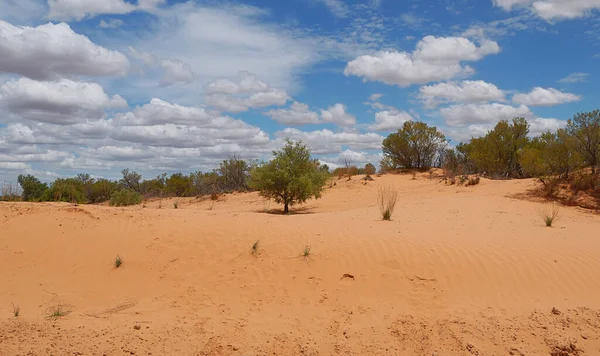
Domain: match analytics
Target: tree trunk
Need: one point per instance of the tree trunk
(286, 208)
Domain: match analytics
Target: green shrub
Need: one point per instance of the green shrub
(125, 197)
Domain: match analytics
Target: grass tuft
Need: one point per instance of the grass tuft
(306, 251)
(387, 197)
(57, 311)
(176, 204)
(550, 215)
(255, 247)
(16, 310)
(118, 261)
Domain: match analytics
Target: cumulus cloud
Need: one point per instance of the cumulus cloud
(468, 91)
(242, 94)
(544, 97)
(297, 114)
(552, 9)
(160, 112)
(375, 97)
(53, 50)
(62, 102)
(328, 142)
(176, 71)
(173, 70)
(246, 83)
(390, 120)
(337, 114)
(469, 114)
(434, 59)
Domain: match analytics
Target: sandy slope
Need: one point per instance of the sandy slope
(460, 271)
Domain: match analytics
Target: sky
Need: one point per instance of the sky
(178, 86)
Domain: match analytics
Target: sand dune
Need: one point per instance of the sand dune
(459, 271)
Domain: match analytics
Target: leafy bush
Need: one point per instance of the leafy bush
(291, 177)
(125, 197)
(33, 189)
(414, 146)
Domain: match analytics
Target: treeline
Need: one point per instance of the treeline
(570, 155)
(231, 175)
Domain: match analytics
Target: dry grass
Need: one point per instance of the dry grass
(387, 197)
(255, 247)
(16, 310)
(550, 214)
(57, 311)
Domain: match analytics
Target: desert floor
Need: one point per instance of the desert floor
(459, 271)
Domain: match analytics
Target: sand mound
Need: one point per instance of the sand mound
(458, 271)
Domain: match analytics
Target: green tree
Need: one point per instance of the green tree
(413, 147)
(370, 169)
(233, 174)
(585, 127)
(131, 180)
(291, 177)
(179, 184)
(497, 152)
(33, 189)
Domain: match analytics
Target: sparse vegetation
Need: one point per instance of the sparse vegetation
(118, 261)
(550, 214)
(176, 204)
(473, 180)
(57, 311)
(387, 197)
(255, 247)
(306, 251)
(414, 146)
(125, 197)
(16, 310)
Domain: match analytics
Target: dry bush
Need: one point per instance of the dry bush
(387, 197)
(473, 181)
(214, 196)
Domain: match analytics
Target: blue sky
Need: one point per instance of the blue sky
(164, 86)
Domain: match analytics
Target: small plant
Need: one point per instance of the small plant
(387, 198)
(551, 214)
(306, 251)
(176, 204)
(57, 311)
(255, 247)
(16, 310)
(214, 196)
(160, 204)
(414, 175)
(118, 261)
(462, 180)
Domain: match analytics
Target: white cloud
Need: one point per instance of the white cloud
(375, 97)
(390, 120)
(50, 51)
(237, 104)
(469, 114)
(434, 59)
(544, 97)
(246, 83)
(112, 23)
(468, 91)
(576, 77)
(14, 165)
(297, 114)
(176, 71)
(160, 112)
(337, 114)
(337, 7)
(78, 9)
(327, 142)
(552, 9)
(63, 102)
